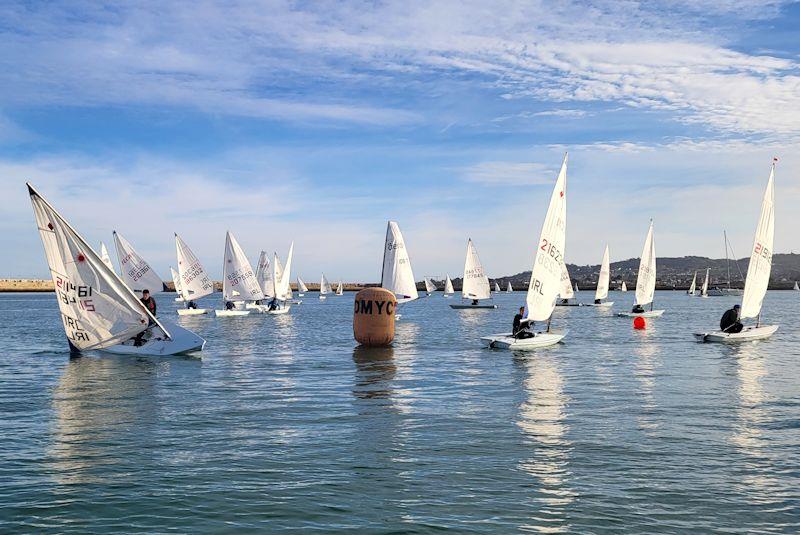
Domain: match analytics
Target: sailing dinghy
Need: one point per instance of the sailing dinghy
(704, 288)
(603, 280)
(176, 284)
(98, 310)
(448, 287)
(646, 280)
(136, 272)
(758, 271)
(193, 279)
(566, 295)
(239, 284)
(324, 287)
(339, 289)
(796, 287)
(430, 287)
(281, 276)
(623, 288)
(692, 287)
(397, 275)
(545, 283)
(301, 287)
(509, 289)
(475, 285)
(105, 257)
(496, 287)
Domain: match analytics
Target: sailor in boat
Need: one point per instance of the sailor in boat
(149, 303)
(598, 301)
(637, 309)
(273, 305)
(730, 321)
(519, 330)
(565, 301)
(474, 302)
(229, 305)
(191, 304)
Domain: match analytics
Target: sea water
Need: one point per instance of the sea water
(284, 425)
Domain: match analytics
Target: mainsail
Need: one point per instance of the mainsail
(448, 286)
(104, 256)
(136, 272)
(623, 288)
(301, 286)
(175, 280)
(693, 286)
(476, 283)
(509, 289)
(545, 283)
(430, 287)
(194, 281)
(324, 286)
(239, 280)
(397, 276)
(496, 287)
(646, 279)
(704, 289)
(97, 309)
(283, 289)
(604, 277)
(755, 285)
(566, 291)
(264, 275)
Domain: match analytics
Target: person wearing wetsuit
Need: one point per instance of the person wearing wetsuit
(149, 303)
(637, 309)
(730, 321)
(518, 330)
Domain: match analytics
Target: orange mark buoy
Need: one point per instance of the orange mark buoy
(639, 323)
(373, 317)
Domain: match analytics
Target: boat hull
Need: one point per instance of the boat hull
(182, 341)
(645, 314)
(748, 334)
(230, 313)
(607, 304)
(507, 341)
(192, 311)
(280, 310)
(459, 306)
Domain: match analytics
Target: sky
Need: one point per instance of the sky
(317, 122)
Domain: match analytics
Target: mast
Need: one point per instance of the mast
(727, 260)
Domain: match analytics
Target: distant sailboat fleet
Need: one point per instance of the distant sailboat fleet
(102, 310)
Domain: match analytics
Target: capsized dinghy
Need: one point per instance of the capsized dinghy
(98, 310)
(758, 271)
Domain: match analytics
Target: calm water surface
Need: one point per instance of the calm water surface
(284, 426)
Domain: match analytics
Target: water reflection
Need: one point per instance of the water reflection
(647, 362)
(375, 370)
(98, 402)
(542, 418)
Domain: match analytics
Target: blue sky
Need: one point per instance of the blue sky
(319, 121)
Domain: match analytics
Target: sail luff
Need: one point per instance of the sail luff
(760, 266)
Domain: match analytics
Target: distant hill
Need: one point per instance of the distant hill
(673, 273)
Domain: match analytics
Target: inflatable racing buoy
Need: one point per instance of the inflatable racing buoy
(373, 317)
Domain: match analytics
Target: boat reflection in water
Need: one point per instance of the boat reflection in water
(542, 418)
(375, 370)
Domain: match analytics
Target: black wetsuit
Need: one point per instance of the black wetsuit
(518, 330)
(730, 322)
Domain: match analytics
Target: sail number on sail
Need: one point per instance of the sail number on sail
(136, 272)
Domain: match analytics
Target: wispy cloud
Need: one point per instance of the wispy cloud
(509, 173)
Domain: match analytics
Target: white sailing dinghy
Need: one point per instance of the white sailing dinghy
(475, 285)
(603, 280)
(566, 295)
(496, 288)
(239, 283)
(796, 287)
(98, 310)
(646, 279)
(324, 287)
(176, 284)
(448, 287)
(758, 271)
(545, 283)
(194, 281)
(623, 288)
(265, 282)
(692, 287)
(301, 287)
(430, 287)
(339, 289)
(105, 257)
(576, 288)
(509, 289)
(281, 276)
(397, 275)
(136, 272)
(704, 288)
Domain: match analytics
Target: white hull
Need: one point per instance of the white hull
(507, 341)
(569, 304)
(606, 304)
(460, 306)
(323, 297)
(296, 301)
(645, 314)
(192, 311)
(748, 334)
(227, 313)
(179, 299)
(301, 295)
(280, 310)
(447, 296)
(182, 341)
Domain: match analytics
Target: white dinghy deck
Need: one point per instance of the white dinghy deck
(154, 342)
(507, 340)
(230, 313)
(465, 306)
(604, 304)
(645, 314)
(748, 334)
(192, 311)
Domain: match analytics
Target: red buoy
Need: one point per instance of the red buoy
(639, 323)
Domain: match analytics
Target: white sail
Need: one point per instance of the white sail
(545, 283)
(339, 289)
(704, 289)
(623, 288)
(397, 276)
(195, 282)
(136, 272)
(283, 275)
(324, 286)
(755, 285)
(277, 274)
(175, 280)
(239, 280)
(264, 275)
(693, 286)
(509, 289)
(430, 287)
(566, 291)
(604, 277)
(796, 286)
(104, 256)
(448, 286)
(576, 287)
(476, 283)
(646, 279)
(98, 310)
(301, 286)
(496, 287)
